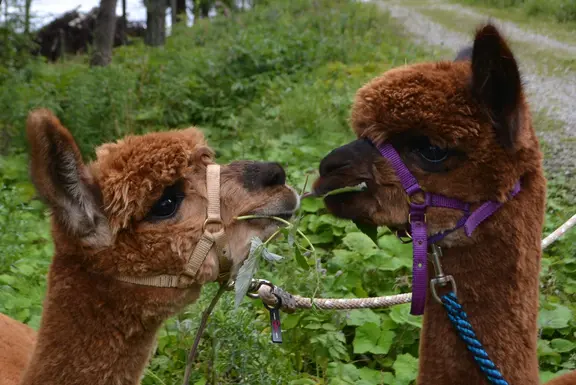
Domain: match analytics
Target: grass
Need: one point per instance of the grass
(551, 17)
(548, 61)
(277, 84)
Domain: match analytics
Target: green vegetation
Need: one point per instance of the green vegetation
(563, 11)
(275, 83)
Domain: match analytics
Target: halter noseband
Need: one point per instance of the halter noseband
(207, 241)
(417, 222)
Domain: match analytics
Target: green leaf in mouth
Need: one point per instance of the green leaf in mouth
(359, 187)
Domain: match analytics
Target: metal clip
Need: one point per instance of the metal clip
(255, 286)
(440, 279)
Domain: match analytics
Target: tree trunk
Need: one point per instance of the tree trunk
(27, 8)
(104, 33)
(196, 11)
(155, 23)
(181, 10)
(205, 7)
(124, 23)
(173, 11)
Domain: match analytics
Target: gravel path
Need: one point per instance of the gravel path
(554, 95)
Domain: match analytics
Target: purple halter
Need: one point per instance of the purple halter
(417, 221)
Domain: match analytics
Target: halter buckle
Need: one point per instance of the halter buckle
(416, 214)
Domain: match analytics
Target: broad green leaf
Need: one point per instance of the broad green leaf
(562, 346)
(555, 318)
(370, 338)
(300, 259)
(337, 370)
(358, 317)
(371, 376)
(324, 237)
(395, 248)
(311, 205)
(401, 315)
(384, 342)
(289, 321)
(405, 369)
(359, 242)
(544, 349)
(385, 262)
(7, 279)
(366, 338)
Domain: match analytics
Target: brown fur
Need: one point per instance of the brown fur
(96, 329)
(476, 108)
(17, 342)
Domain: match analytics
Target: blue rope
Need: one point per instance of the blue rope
(460, 322)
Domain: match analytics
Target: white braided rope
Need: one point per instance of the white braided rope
(265, 292)
(559, 232)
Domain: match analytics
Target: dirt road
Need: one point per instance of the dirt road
(547, 67)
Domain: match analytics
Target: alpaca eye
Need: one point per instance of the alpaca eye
(429, 152)
(166, 206)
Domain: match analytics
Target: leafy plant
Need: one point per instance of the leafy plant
(274, 83)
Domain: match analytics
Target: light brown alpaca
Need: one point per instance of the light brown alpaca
(138, 210)
(463, 129)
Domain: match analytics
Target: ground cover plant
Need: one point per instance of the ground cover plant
(274, 83)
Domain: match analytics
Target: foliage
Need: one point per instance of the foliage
(274, 83)
(563, 11)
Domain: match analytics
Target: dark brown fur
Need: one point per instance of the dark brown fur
(477, 108)
(95, 329)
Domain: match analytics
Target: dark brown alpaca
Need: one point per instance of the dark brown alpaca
(138, 210)
(464, 130)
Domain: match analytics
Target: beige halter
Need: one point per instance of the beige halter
(209, 238)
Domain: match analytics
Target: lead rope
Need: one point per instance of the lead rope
(459, 320)
(275, 298)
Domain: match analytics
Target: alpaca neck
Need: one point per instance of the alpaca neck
(90, 332)
(497, 285)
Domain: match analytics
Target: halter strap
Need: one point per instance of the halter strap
(418, 230)
(213, 235)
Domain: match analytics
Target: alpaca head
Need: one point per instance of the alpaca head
(139, 209)
(462, 128)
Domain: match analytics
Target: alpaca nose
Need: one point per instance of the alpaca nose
(347, 156)
(334, 161)
(266, 174)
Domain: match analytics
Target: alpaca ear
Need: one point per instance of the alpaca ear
(496, 83)
(63, 181)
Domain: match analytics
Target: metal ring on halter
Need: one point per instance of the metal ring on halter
(442, 281)
(402, 235)
(208, 221)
